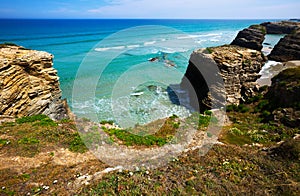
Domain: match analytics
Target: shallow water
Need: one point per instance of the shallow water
(71, 41)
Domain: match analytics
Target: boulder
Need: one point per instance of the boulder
(29, 84)
(251, 37)
(287, 49)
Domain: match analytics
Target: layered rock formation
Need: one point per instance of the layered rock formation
(28, 84)
(282, 27)
(239, 68)
(251, 37)
(288, 48)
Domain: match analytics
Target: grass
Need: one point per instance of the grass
(77, 145)
(224, 170)
(148, 135)
(139, 135)
(254, 125)
(39, 120)
(130, 139)
(237, 108)
(28, 136)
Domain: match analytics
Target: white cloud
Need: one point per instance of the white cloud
(193, 9)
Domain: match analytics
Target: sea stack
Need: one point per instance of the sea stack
(251, 37)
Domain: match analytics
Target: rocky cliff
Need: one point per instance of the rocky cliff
(239, 68)
(284, 99)
(288, 48)
(251, 37)
(282, 27)
(29, 84)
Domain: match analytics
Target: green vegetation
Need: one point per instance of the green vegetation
(30, 135)
(26, 140)
(4, 142)
(130, 139)
(240, 108)
(39, 120)
(289, 74)
(110, 122)
(210, 50)
(252, 123)
(250, 162)
(259, 27)
(77, 145)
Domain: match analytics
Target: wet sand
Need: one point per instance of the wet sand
(272, 68)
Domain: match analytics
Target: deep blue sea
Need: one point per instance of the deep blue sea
(122, 54)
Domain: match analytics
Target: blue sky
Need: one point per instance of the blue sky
(234, 9)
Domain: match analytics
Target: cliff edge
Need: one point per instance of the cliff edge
(239, 68)
(29, 84)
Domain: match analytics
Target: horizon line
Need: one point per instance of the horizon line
(149, 18)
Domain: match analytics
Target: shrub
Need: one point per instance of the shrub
(204, 120)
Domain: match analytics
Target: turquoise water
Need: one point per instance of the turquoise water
(171, 43)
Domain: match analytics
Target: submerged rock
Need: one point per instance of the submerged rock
(29, 84)
(251, 37)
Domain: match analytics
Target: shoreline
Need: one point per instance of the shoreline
(272, 68)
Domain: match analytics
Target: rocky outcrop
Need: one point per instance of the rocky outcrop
(239, 68)
(28, 84)
(251, 37)
(282, 27)
(283, 96)
(287, 49)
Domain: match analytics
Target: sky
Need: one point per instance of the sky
(177, 9)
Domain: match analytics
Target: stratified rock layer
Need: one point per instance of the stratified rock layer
(238, 66)
(282, 27)
(28, 84)
(251, 37)
(287, 49)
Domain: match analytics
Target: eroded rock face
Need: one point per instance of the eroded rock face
(282, 27)
(283, 96)
(28, 84)
(238, 67)
(251, 37)
(287, 49)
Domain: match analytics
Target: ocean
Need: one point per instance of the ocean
(131, 62)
